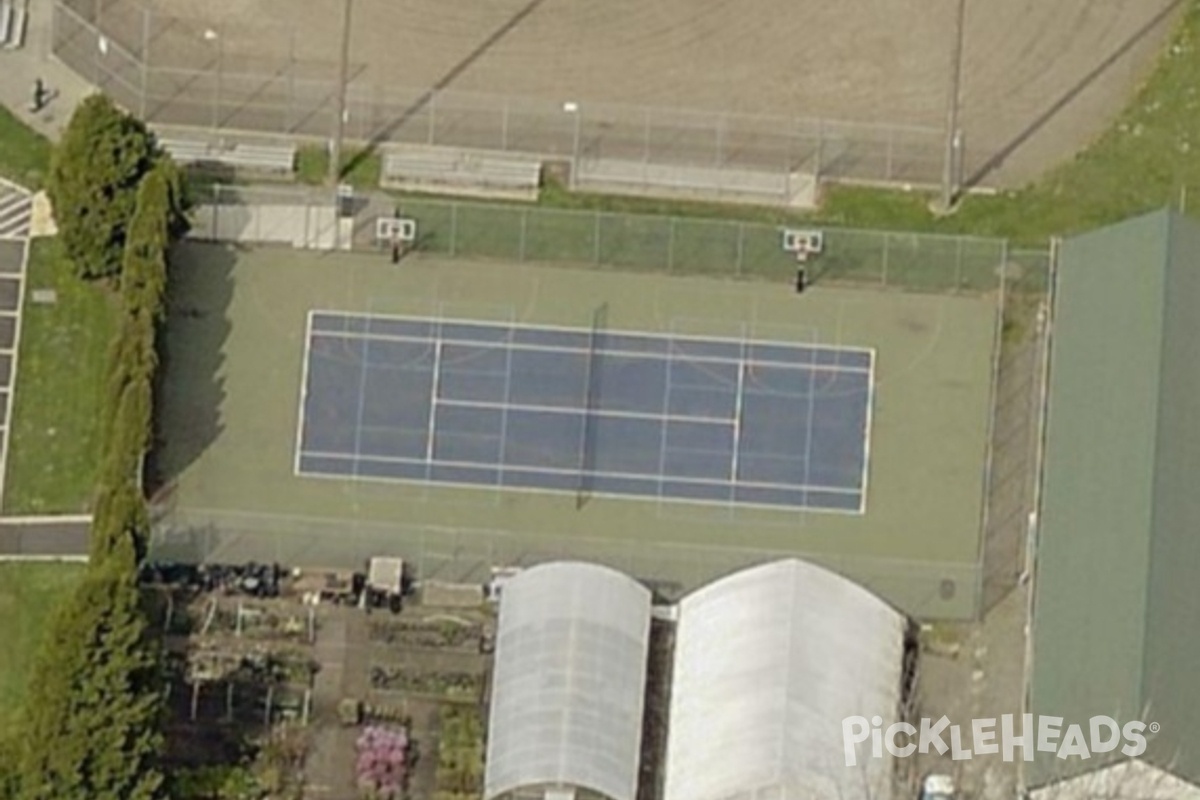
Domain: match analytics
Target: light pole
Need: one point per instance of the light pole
(212, 36)
(572, 108)
(335, 150)
(952, 133)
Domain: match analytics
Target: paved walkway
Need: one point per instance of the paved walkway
(19, 68)
(44, 538)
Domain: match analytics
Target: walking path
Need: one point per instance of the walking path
(19, 69)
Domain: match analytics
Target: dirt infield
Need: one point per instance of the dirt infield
(1040, 79)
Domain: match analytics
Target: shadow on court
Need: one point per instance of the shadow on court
(190, 390)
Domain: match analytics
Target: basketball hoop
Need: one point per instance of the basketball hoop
(803, 243)
(390, 230)
(396, 234)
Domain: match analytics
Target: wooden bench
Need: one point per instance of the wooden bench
(256, 158)
(12, 23)
(462, 172)
(669, 180)
(6, 21)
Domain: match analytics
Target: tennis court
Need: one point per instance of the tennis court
(585, 411)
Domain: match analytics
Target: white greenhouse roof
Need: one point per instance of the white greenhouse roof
(768, 662)
(569, 680)
(1126, 780)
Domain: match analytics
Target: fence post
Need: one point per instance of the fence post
(671, 245)
(720, 149)
(504, 126)
(216, 109)
(524, 232)
(214, 201)
(453, 228)
(646, 135)
(958, 266)
(883, 278)
(289, 112)
(819, 155)
(741, 249)
(887, 169)
(596, 243)
(431, 133)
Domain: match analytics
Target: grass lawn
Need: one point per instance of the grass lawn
(64, 349)
(28, 594)
(24, 154)
(360, 168)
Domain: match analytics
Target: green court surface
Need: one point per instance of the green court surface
(236, 346)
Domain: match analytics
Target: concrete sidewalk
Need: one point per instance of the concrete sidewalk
(20, 68)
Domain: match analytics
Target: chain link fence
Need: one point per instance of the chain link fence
(174, 71)
(1018, 406)
(702, 246)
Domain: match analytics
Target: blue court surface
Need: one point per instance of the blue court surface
(591, 412)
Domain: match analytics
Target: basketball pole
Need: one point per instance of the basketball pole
(950, 157)
(335, 150)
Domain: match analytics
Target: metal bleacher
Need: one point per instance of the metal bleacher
(435, 169)
(267, 159)
(12, 24)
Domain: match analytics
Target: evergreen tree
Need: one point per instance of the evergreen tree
(10, 786)
(92, 719)
(144, 265)
(94, 175)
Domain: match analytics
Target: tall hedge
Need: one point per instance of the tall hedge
(94, 175)
(92, 719)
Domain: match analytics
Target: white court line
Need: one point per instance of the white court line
(666, 407)
(808, 435)
(649, 335)
(424, 483)
(303, 392)
(365, 364)
(631, 476)
(737, 421)
(577, 411)
(542, 348)
(867, 436)
(434, 385)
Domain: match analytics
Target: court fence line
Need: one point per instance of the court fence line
(173, 70)
(719, 248)
(1019, 383)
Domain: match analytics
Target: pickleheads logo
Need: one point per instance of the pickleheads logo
(1046, 735)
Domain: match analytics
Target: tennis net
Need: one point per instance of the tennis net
(587, 450)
